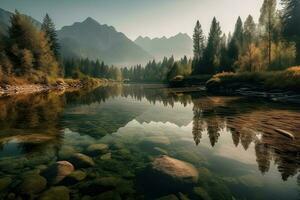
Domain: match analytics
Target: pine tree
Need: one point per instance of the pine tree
(198, 39)
(291, 23)
(212, 51)
(236, 44)
(267, 23)
(249, 31)
(49, 28)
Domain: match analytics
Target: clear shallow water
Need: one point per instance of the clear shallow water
(231, 141)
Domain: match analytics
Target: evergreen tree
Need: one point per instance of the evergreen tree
(198, 40)
(249, 31)
(235, 47)
(212, 52)
(267, 21)
(49, 28)
(291, 23)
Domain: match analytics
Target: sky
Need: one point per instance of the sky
(152, 18)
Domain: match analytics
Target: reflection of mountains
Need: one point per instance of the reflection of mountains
(253, 123)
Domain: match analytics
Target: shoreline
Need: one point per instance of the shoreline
(12, 90)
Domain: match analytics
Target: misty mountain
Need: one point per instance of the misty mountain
(5, 21)
(178, 45)
(89, 39)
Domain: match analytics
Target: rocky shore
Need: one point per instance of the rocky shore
(61, 85)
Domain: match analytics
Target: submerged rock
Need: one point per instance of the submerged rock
(32, 184)
(106, 156)
(177, 170)
(97, 149)
(56, 193)
(108, 195)
(74, 177)
(81, 161)
(5, 182)
(168, 197)
(58, 171)
(201, 193)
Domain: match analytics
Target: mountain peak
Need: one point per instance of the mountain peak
(90, 20)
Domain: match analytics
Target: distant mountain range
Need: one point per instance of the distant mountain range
(90, 39)
(95, 41)
(178, 46)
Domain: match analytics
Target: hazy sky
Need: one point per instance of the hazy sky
(153, 18)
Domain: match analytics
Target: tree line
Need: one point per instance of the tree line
(271, 44)
(161, 71)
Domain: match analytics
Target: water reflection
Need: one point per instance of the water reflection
(35, 124)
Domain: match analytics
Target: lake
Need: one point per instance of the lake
(147, 142)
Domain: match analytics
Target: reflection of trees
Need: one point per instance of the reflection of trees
(33, 120)
(252, 123)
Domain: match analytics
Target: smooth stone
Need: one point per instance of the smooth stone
(183, 196)
(201, 193)
(75, 177)
(112, 195)
(97, 149)
(81, 161)
(106, 156)
(66, 152)
(58, 171)
(177, 170)
(5, 182)
(56, 193)
(32, 184)
(168, 197)
(99, 185)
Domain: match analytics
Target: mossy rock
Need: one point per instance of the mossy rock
(32, 184)
(106, 156)
(201, 193)
(80, 160)
(97, 149)
(74, 177)
(56, 193)
(5, 182)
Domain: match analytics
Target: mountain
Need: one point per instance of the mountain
(178, 46)
(89, 39)
(5, 21)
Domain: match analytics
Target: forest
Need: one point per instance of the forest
(32, 54)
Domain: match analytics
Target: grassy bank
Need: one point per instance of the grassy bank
(287, 80)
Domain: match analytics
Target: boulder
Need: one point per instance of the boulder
(201, 193)
(56, 193)
(108, 195)
(74, 177)
(168, 197)
(81, 160)
(106, 156)
(177, 170)
(58, 171)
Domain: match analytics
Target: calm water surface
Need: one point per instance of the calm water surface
(231, 141)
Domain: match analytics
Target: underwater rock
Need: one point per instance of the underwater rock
(168, 197)
(97, 149)
(5, 182)
(108, 195)
(160, 150)
(99, 185)
(106, 156)
(32, 184)
(75, 177)
(201, 193)
(177, 170)
(58, 171)
(56, 193)
(81, 161)
(66, 152)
